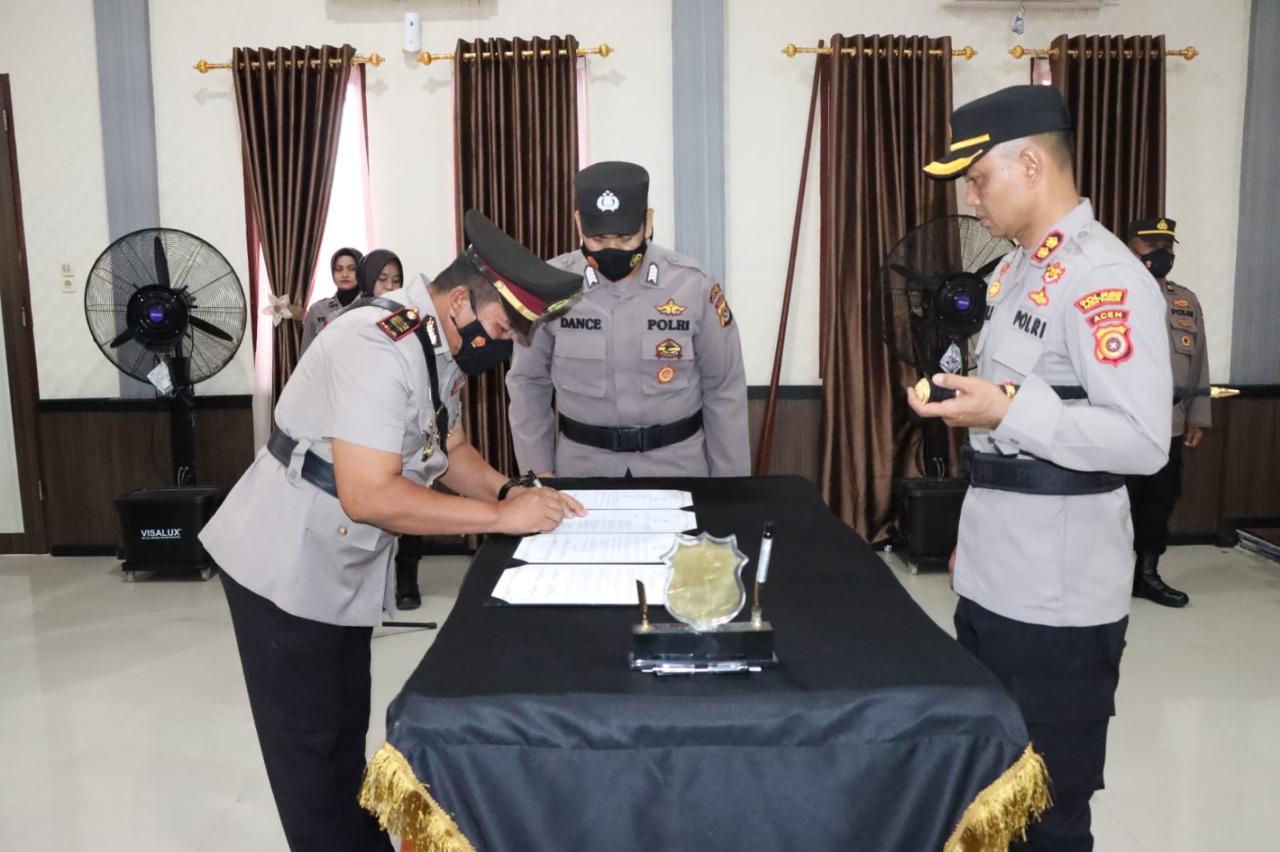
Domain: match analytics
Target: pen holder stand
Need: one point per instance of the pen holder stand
(672, 648)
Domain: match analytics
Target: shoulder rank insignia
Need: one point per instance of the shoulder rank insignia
(651, 276)
(1005, 268)
(1113, 344)
(993, 289)
(1181, 303)
(1049, 246)
(591, 278)
(400, 324)
(670, 349)
(1101, 298)
(670, 308)
(1053, 272)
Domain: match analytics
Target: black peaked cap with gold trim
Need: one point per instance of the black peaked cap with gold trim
(1001, 116)
(1154, 228)
(530, 286)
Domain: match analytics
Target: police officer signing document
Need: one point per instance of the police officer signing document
(368, 421)
(646, 368)
(1042, 564)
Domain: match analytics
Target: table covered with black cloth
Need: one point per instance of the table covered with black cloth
(876, 732)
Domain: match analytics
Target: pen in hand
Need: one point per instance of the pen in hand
(533, 477)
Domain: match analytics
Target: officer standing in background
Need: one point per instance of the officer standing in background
(1152, 498)
(1042, 561)
(343, 268)
(367, 422)
(646, 369)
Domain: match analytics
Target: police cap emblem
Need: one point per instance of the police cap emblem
(607, 202)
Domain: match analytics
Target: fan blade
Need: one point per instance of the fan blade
(918, 279)
(209, 328)
(162, 264)
(130, 333)
(988, 268)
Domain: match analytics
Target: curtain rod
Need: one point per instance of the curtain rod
(603, 51)
(1018, 52)
(374, 59)
(791, 50)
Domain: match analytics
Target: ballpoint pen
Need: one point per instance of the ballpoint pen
(762, 575)
(533, 477)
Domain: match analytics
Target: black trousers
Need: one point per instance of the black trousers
(1151, 502)
(309, 685)
(1064, 681)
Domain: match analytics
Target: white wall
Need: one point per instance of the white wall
(768, 101)
(47, 46)
(48, 51)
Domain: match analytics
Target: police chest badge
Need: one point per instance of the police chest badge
(669, 349)
(670, 308)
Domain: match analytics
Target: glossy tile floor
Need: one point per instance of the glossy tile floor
(124, 723)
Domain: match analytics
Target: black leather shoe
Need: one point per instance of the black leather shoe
(1147, 583)
(407, 594)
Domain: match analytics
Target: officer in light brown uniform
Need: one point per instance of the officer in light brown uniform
(646, 370)
(1042, 560)
(368, 421)
(1152, 498)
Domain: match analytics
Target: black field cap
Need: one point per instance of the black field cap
(612, 198)
(1153, 228)
(530, 286)
(1001, 116)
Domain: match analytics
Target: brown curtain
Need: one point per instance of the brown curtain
(1115, 87)
(885, 110)
(515, 155)
(290, 104)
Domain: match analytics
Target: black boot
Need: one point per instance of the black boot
(1147, 583)
(407, 594)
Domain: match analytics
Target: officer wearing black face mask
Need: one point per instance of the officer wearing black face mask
(1152, 498)
(646, 370)
(367, 423)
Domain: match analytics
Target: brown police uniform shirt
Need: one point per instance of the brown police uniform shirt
(1188, 351)
(648, 351)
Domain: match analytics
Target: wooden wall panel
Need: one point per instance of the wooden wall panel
(795, 436)
(1251, 464)
(92, 451)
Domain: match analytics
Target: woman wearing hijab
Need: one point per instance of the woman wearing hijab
(378, 272)
(343, 266)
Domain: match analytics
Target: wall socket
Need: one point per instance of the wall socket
(68, 271)
(68, 285)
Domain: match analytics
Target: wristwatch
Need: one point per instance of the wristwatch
(513, 482)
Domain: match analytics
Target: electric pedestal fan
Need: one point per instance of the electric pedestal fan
(165, 307)
(932, 294)
(930, 302)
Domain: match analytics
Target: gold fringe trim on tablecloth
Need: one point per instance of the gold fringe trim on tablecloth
(1005, 808)
(393, 794)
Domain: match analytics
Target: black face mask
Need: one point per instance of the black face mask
(1159, 262)
(480, 353)
(615, 263)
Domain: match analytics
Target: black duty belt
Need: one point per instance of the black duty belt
(315, 470)
(631, 439)
(1033, 476)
